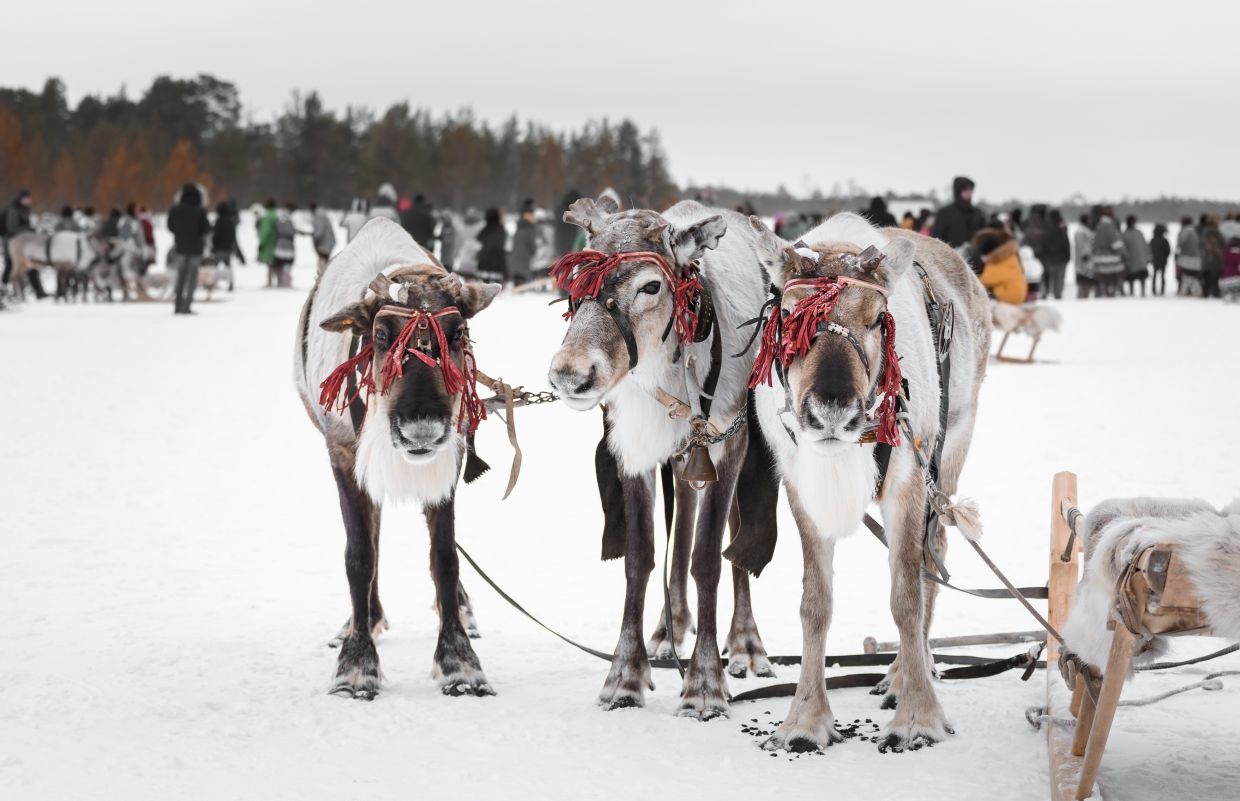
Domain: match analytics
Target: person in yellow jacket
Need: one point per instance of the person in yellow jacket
(1002, 273)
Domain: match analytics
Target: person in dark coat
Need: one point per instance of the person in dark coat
(224, 239)
(1213, 250)
(16, 220)
(878, 214)
(1160, 254)
(492, 255)
(419, 221)
(1136, 256)
(957, 222)
(188, 222)
(565, 232)
(1056, 253)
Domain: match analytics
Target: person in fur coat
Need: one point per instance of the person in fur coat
(1002, 273)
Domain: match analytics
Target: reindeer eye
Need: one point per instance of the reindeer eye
(651, 288)
(878, 321)
(381, 338)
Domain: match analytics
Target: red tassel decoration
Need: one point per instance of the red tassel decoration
(768, 349)
(335, 381)
(890, 384)
(684, 301)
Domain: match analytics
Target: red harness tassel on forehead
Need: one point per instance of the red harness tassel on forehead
(455, 379)
(583, 273)
(786, 338)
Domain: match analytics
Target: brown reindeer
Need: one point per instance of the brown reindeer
(628, 347)
(384, 338)
(852, 320)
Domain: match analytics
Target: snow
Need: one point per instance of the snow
(172, 571)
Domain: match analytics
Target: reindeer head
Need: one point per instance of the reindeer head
(832, 337)
(415, 359)
(629, 294)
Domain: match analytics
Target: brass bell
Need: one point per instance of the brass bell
(699, 468)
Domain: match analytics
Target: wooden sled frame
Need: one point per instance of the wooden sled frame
(1155, 597)
(1027, 360)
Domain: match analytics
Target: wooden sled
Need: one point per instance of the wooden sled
(1013, 359)
(1155, 596)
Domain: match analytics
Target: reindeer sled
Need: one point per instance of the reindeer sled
(1153, 569)
(1031, 320)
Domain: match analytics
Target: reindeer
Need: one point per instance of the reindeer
(71, 253)
(641, 343)
(384, 335)
(831, 337)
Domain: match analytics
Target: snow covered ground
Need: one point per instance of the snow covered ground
(171, 572)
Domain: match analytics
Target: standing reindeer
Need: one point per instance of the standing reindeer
(643, 343)
(832, 341)
(384, 336)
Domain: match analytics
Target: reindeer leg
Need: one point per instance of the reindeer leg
(810, 724)
(357, 667)
(705, 693)
(660, 645)
(630, 667)
(376, 620)
(919, 719)
(466, 611)
(457, 668)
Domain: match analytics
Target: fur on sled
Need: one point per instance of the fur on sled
(1031, 319)
(1207, 541)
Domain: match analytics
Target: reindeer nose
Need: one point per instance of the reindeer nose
(571, 381)
(836, 418)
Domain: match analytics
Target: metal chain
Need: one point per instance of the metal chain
(534, 398)
(707, 439)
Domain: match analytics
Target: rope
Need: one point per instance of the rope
(1037, 715)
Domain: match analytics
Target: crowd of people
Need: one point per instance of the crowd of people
(1019, 257)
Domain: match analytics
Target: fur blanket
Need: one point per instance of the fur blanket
(1032, 319)
(1207, 541)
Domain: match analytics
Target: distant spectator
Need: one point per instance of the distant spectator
(1016, 224)
(16, 220)
(1056, 253)
(111, 227)
(267, 239)
(1083, 253)
(187, 220)
(908, 222)
(67, 221)
(1213, 255)
(447, 241)
(1136, 256)
(525, 241)
(419, 221)
(1108, 254)
(286, 246)
(957, 222)
(385, 204)
(492, 258)
(323, 234)
(878, 214)
(1002, 273)
(224, 239)
(1187, 259)
(924, 219)
(354, 219)
(1160, 254)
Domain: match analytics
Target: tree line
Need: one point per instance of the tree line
(108, 151)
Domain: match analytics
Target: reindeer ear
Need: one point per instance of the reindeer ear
(897, 255)
(476, 297)
(607, 204)
(768, 246)
(355, 317)
(583, 213)
(692, 242)
(654, 234)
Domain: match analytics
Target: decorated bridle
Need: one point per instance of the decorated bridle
(418, 337)
(786, 336)
(583, 276)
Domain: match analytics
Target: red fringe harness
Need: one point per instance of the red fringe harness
(788, 337)
(582, 274)
(460, 380)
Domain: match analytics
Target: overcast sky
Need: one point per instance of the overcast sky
(1036, 99)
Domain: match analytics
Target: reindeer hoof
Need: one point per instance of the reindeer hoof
(889, 701)
(625, 701)
(476, 686)
(357, 669)
(800, 740)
